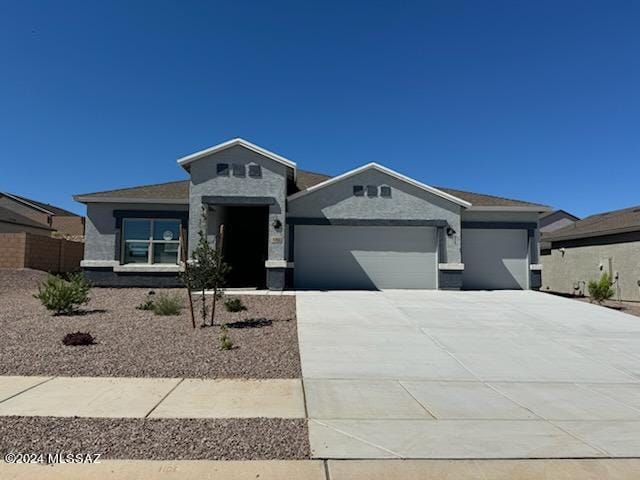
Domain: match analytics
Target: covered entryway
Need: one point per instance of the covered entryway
(365, 257)
(495, 259)
(245, 245)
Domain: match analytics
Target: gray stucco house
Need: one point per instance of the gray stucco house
(368, 228)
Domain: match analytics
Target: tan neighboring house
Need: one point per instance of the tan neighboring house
(12, 222)
(582, 251)
(54, 220)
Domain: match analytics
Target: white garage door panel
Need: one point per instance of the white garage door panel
(340, 257)
(494, 259)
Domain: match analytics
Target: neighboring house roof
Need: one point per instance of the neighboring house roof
(185, 161)
(388, 171)
(607, 223)
(9, 216)
(43, 207)
(178, 192)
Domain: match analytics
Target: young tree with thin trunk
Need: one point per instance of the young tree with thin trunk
(206, 270)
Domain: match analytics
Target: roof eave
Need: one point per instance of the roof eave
(509, 208)
(185, 161)
(388, 171)
(603, 233)
(169, 201)
(27, 203)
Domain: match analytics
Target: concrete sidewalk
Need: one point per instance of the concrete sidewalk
(151, 397)
(619, 469)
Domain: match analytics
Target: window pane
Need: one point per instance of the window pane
(255, 171)
(165, 253)
(238, 170)
(136, 229)
(385, 191)
(222, 169)
(372, 191)
(358, 190)
(136, 252)
(166, 230)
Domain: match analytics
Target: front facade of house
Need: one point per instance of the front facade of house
(369, 228)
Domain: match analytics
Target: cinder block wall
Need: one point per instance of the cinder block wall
(25, 250)
(12, 250)
(68, 226)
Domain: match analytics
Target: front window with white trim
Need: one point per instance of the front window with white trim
(151, 241)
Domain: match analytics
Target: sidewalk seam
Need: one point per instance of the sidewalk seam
(29, 388)
(163, 398)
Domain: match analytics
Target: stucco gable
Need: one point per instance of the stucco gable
(186, 161)
(386, 171)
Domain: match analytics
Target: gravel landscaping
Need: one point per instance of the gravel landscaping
(137, 343)
(632, 308)
(158, 439)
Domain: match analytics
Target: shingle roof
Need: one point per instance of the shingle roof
(9, 216)
(482, 200)
(52, 209)
(179, 190)
(607, 223)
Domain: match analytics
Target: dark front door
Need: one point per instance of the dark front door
(245, 245)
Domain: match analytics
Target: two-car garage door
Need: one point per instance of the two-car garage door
(364, 257)
(374, 257)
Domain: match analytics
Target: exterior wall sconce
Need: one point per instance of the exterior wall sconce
(450, 232)
(276, 223)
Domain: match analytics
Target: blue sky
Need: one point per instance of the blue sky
(533, 100)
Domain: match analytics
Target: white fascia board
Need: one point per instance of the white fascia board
(480, 208)
(89, 199)
(388, 171)
(184, 161)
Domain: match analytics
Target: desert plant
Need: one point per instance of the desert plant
(225, 341)
(148, 303)
(601, 290)
(234, 305)
(63, 297)
(78, 338)
(165, 304)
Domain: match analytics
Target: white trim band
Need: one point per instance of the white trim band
(535, 266)
(99, 263)
(387, 171)
(451, 266)
(144, 268)
(278, 264)
(184, 161)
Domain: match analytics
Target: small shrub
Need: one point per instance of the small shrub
(166, 305)
(225, 341)
(78, 338)
(234, 305)
(601, 290)
(146, 305)
(64, 296)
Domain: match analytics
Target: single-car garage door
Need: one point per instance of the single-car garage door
(356, 257)
(494, 259)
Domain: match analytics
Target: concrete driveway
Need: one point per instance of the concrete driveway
(436, 374)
